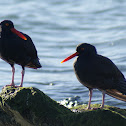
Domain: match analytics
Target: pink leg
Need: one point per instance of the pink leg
(22, 78)
(13, 72)
(90, 96)
(103, 99)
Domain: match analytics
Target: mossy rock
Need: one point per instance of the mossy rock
(109, 116)
(31, 107)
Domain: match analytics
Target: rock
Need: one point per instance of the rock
(109, 116)
(31, 107)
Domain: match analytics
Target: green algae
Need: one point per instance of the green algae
(108, 116)
(31, 107)
(96, 118)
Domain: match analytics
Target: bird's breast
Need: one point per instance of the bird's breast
(86, 73)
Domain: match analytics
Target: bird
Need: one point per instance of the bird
(17, 48)
(95, 71)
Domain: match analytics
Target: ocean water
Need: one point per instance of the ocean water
(56, 28)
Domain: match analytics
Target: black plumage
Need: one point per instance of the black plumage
(96, 71)
(17, 48)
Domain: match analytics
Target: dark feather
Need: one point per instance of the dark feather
(116, 94)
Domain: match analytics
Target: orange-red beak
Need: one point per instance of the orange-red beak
(70, 57)
(18, 33)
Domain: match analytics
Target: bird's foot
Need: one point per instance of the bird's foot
(12, 85)
(89, 108)
(102, 106)
(95, 108)
(98, 108)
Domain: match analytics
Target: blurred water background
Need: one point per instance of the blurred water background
(56, 27)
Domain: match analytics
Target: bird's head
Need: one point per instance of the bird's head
(7, 26)
(82, 49)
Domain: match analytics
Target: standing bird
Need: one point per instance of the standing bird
(17, 48)
(96, 71)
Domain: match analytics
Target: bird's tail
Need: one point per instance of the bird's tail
(116, 94)
(119, 92)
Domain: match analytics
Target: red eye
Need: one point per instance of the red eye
(7, 24)
(82, 49)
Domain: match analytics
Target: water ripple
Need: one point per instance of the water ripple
(56, 27)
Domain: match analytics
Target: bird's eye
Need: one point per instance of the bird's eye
(7, 24)
(82, 49)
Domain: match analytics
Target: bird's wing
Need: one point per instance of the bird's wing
(108, 69)
(30, 47)
(111, 72)
(31, 52)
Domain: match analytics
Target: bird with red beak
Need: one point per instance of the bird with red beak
(17, 48)
(98, 72)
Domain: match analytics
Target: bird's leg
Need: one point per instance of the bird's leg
(90, 96)
(22, 78)
(103, 99)
(13, 72)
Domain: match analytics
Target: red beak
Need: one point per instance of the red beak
(18, 33)
(70, 57)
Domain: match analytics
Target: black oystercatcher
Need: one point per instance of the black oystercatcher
(17, 48)
(96, 71)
